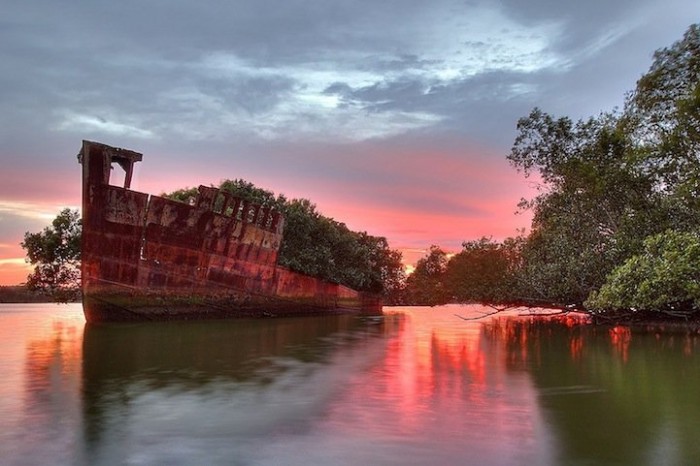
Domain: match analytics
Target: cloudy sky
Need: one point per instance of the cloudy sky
(393, 116)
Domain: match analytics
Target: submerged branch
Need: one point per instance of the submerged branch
(535, 308)
(477, 317)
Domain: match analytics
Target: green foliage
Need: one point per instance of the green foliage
(665, 112)
(55, 255)
(322, 247)
(664, 103)
(20, 294)
(185, 195)
(606, 184)
(239, 188)
(426, 285)
(388, 268)
(485, 271)
(587, 216)
(251, 193)
(609, 182)
(319, 246)
(664, 276)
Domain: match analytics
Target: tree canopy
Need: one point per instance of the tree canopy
(55, 254)
(615, 219)
(426, 285)
(615, 186)
(484, 271)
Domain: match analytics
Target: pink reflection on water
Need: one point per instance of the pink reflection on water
(620, 337)
(52, 367)
(41, 346)
(440, 379)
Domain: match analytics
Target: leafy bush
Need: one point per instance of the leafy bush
(664, 276)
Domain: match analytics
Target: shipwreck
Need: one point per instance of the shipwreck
(147, 257)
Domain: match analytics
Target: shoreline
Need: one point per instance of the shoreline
(19, 294)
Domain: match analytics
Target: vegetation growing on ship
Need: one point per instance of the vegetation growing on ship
(320, 246)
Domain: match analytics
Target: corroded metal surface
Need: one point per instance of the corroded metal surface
(147, 257)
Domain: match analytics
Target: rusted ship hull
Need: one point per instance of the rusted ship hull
(151, 258)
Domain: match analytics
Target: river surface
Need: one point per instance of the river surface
(418, 386)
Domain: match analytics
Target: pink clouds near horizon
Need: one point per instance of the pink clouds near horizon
(13, 271)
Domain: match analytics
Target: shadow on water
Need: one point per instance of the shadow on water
(612, 395)
(128, 361)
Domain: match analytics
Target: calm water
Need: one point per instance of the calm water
(418, 386)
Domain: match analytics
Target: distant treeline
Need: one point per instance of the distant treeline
(21, 294)
(616, 224)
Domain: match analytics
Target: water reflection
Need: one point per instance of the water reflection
(40, 365)
(439, 395)
(612, 395)
(418, 386)
(52, 366)
(244, 378)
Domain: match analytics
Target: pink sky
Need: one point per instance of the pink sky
(463, 201)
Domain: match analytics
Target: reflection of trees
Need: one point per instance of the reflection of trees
(124, 361)
(51, 409)
(52, 365)
(440, 380)
(613, 395)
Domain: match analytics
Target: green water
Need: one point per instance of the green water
(417, 386)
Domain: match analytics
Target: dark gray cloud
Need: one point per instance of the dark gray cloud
(585, 23)
(253, 69)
